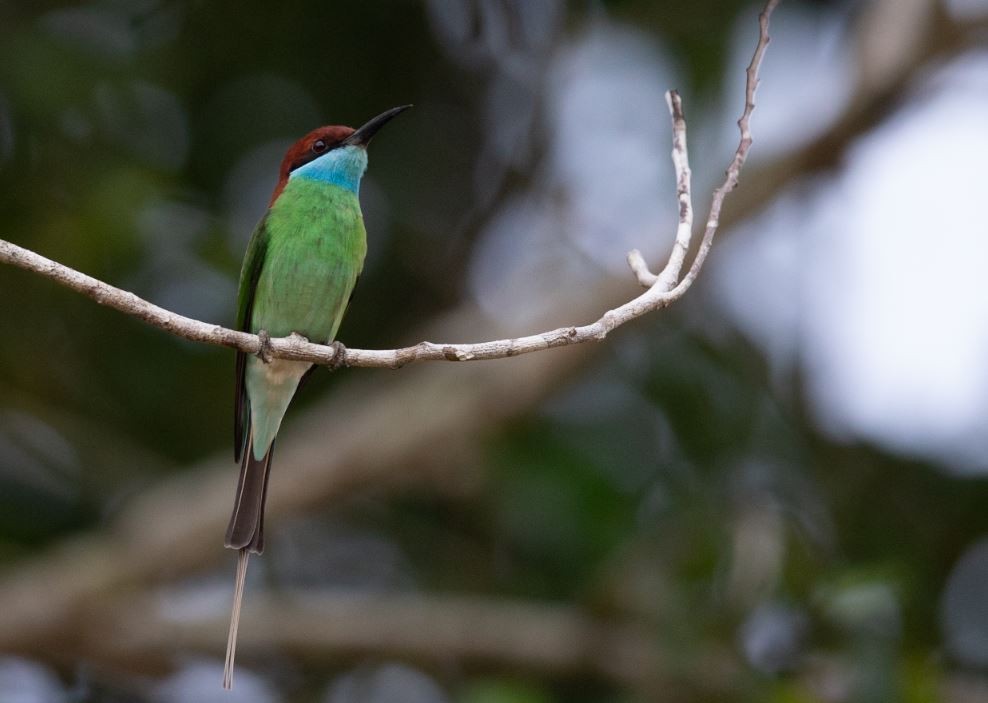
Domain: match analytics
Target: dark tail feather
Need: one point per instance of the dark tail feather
(246, 528)
(246, 533)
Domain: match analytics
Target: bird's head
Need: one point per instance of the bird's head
(334, 153)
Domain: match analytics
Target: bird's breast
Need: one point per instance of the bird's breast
(315, 251)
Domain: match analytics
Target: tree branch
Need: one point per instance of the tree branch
(662, 290)
(430, 630)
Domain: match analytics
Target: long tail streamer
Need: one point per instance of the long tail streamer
(238, 600)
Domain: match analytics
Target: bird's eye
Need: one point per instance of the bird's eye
(318, 146)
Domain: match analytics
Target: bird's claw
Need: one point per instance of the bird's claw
(339, 356)
(264, 352)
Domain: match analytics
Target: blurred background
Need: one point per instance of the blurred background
(773, 491)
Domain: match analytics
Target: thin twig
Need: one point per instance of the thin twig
(663, 289)
(734, 169)
(684, 232)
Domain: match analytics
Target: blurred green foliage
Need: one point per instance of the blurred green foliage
(129, 137)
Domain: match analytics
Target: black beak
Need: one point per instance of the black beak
(363, 135)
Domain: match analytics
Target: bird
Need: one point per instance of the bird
(298, 275)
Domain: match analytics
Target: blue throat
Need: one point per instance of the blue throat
(341, 167)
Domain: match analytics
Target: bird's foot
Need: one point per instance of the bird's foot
(339, 356)
(264, 352)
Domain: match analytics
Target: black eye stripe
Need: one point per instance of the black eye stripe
(313, 153)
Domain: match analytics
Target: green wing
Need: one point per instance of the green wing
(249, 275)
